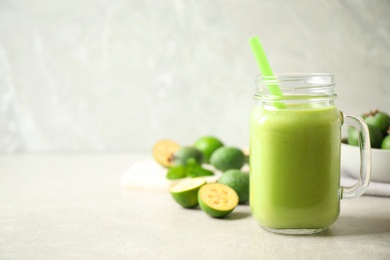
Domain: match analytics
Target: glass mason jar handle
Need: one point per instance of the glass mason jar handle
(360, 187)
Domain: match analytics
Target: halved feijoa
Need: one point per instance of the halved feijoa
(163, 152)
(185, 193)
(217, 200)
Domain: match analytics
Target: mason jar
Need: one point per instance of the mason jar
(295, 144)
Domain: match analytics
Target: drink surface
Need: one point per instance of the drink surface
(295, 166)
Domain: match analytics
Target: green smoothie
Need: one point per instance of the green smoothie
(295, 166)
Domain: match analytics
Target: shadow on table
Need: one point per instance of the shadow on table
(358, 225)
(238, 215)
(241, 212)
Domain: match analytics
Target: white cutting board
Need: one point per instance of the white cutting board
(149, 175)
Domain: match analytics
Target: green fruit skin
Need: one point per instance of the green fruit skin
(207, 145)
(386, 143)
(227, 158)
(376, 136)
(187, 199)
(240, 185)
(186, 152)
(380, 120)
(212, 212)
(352, 136)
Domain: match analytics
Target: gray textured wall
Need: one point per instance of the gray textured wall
(119, 75)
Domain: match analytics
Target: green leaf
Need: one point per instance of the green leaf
(194, 169)
(177, 172)
(199, 171)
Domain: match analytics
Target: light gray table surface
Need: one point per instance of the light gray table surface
(72, 206)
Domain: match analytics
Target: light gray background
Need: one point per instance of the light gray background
(99, 75)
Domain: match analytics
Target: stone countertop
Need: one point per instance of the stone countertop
(72, 206)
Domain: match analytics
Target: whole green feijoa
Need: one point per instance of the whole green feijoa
(207, 145)
(376, 136)
(184, 153)
(227, 157)
(386, 143)
(379, 119)
(353, 138)
(239, 182)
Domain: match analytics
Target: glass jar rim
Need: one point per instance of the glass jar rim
(295, 76)
(297, 86)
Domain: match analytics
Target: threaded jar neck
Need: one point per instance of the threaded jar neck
(297, 88)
